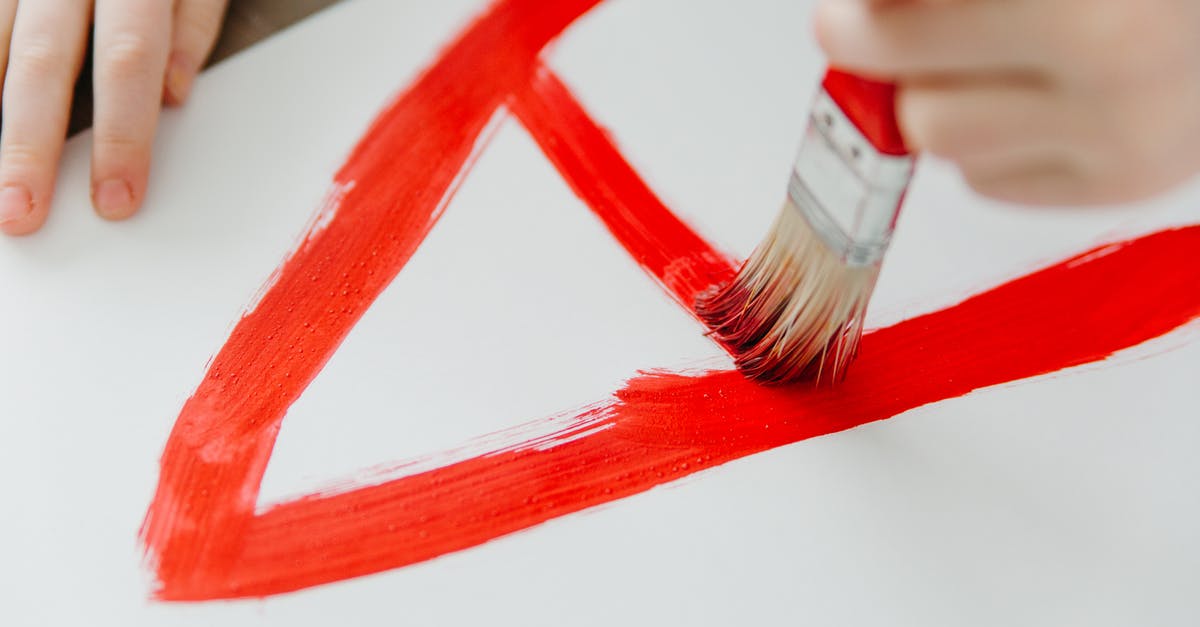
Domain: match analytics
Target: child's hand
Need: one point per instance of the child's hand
(1037, 101)
(146, 52)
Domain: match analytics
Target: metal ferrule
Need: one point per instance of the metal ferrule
(849, 192)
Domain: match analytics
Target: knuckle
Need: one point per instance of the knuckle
(21, 157)
(118, 149)
(129, 55)
(35, 58)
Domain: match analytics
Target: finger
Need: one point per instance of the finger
(45, 55)
(923, 37)
(1058, 178)
(193, 34)
(8, 12)
(964, 119)
(132, 40)
(1047, 179)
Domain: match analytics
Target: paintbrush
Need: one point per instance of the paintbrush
(795, 309)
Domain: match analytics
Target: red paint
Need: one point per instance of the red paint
(391, 191)
(201, 530)
(660, 242)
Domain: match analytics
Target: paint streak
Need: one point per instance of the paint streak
(669, 250)
(390, 192)
(201, 530)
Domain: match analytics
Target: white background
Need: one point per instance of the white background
(1070, 499)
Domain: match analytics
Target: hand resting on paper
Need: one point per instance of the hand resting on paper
(1058, 102)
(147, 52)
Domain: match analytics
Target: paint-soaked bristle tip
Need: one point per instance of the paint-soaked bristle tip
(795, 309)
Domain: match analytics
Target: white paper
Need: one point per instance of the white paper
(951, 514)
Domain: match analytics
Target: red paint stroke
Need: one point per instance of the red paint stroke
(201, 530)
(667, 248)
(387, 197)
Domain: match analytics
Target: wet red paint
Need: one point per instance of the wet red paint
(201, 531)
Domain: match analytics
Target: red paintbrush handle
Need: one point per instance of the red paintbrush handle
(871, 106)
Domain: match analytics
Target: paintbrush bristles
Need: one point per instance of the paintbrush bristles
(795, 309)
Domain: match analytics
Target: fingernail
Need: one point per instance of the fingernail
(114, 199)
(15, 204)
(178, 82)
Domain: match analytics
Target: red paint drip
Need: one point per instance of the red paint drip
(201, 529)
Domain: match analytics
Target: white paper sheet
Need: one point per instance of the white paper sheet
(951, 514)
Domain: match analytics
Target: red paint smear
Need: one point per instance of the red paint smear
(389, 194)
(201, 529)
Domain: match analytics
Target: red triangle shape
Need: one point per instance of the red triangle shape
(201, 531)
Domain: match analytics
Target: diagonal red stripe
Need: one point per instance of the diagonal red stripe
(667, 248)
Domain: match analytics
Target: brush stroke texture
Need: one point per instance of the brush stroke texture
(201, 531)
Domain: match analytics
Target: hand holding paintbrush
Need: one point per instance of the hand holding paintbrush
(1049, 102)
(1061, 102)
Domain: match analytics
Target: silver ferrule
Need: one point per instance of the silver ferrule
(848, 190)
